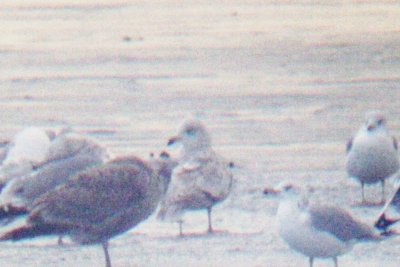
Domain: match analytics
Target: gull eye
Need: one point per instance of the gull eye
(190, 131)
(380, 122)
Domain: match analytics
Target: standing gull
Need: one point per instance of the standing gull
(317, 231)
(372, 153)
(97, 204)
(68, 154)
(201, 179)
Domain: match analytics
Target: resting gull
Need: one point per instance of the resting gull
(27, 148)
(317, 231)
(201, 179)
(68, 154)
(98, 203)
(372, 153)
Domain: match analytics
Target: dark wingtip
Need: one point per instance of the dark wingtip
(383, 223)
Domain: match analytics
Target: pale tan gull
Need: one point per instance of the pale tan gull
(201, 179)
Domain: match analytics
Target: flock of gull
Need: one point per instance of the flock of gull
(65, 183)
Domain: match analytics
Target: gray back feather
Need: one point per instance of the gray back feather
(339, 223)
(54, 174)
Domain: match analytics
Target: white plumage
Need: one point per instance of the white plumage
(28, 147)
(372, 153)
(317, 231)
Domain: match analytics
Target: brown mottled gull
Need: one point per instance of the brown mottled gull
(97, 204)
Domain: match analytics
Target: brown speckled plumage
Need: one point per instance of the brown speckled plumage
(98, 203)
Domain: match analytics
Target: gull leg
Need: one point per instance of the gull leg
(107, 256)
(210, 229)
(180, 222)
(363, 202)
(60, 241)
(335, 261)
(311, 260)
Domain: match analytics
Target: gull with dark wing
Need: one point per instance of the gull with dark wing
(201, 179)
(317, 231)
(98, 203)
(372, 154)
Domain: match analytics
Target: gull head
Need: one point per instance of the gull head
(30, 145)
(374, 120)
(192, 136)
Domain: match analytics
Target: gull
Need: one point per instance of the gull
(98, 203)
(391, 211)
(200, 180)
(68, 154)
(27, 148)
(372, 153)
(317, 231)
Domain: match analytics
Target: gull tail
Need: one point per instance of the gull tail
(162, 213)
(31, 231)
(169, 213)
(367, 233)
